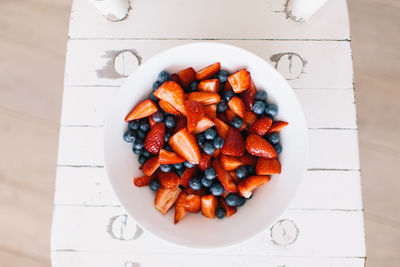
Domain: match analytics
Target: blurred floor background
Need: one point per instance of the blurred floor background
(33, 35)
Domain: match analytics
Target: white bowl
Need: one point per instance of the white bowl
(268, 202)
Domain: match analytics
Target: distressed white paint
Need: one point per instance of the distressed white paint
(302, 10)
(113, 10)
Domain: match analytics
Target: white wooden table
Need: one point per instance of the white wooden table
(324, 224)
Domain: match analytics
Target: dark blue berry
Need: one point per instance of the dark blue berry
(271, 110)
(178, 166)
(167, 137)
(146, 153)
(129, 136)
(223, 76)
(179, 172)
(139, 143)
(193, 86)
(141, 134)
(210, 133)
(259, 107)
(222, 106)
(251, 170)
(144, 126)
(241, 172)
(133, 125)
(208, 147)
(237, 122)
(156, 85)
(142, 159)
(216, 188)
(221, 88)
(169, 121)
(158, 116)
(278, 148)
(188, 164)
(168, 148)
(200, 139)
(228, 95)
(164, 76)
(220, 212)
(165, 167)
(154, 184)
(218, 142)
(195, 183)
(274, 138)
(234, 200)
(137, 151)
(261, 95)
(210, 173)
(205, 182)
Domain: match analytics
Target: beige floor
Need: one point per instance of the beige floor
(33, 35)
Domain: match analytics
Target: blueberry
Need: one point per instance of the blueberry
(223, 76)
(193, 86)
(169, 121)
(222, 106)
(164, 76)
(200, 139)
(234, 200)
(133, 125)
(141, 134)
(188, 164)
(144, 126)
(221, 88)
(146, 153)
(129, 136)
(153, 98)
(137, 151)
(179, 172)
(167, 137)
(210, 133)
(271, 110)
(178, 166)
(168, 148)
(218, 142)
(208, 147)
(261, 95)
(142, 159)
(241, 172)
(278, 148)
(165, 167)
(156, 85)
(237, 122)
(274, 138)
(228, 95)
(154, 184)
(158, 116)
(139, 143)
(259, 107)
(205, 182)
(220, 212)
(216, 188)
(251, 170)
(210, 173)
(195, 183)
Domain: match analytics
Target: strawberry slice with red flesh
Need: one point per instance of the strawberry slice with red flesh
(249, 117)
(167, 157)
(203, 125)
(172, 93)
(176, 79)
(222, 127)
(187, 76)
(240, 81)
(205, 161)
(216, 153)
(142, 110)
(261, 126)
(211, 111)
(233, 143)
(167, 107)
(194, 113)
(268, 166)
(150, 166)
(211, 85)
(168, 180)
(185, 144)
(188, 174)
(277, 126)
(180, 210)
(192, 203)
(199, 192)
(224, 177)
(234, 176)
(208, 205)
(208, 71)
(248, 184)
(248, 96)
(229, 211)
(258, 146)
(230, 115)
(142, 180)
(230, 163)
(248, 159)
(166, 198)
(206, 98)
(227, 87)
(237, 106)
(155, 138)
(180, 124)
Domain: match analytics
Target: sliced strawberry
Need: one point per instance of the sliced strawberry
(180, 124)
(175, 78)
(248, 159)
(142, 180)
(167, 107)
(224, 177)
(172, 93)
(233, 143)
(168, 180)
(192, 203)
(187, 76)
(229, 211)
(237, 106)
(249, 117)
(165, 199)
(150, 166)
(229, 115)
(216, 153)
(248, 184)
(205, 161)
(230, 163)
(151, 121)
(234, 176)
(155, 138)
(222, 127)
(240, 81)
(225, 193)
(206, 98)
(248, 96)
(194, 113)
(211, 85)
(261, 126)
(208, 205)
(188, 174)
(167, 157)
(227, 87)
(211, 111)
(203, 125)
(258, 146)
(222, 117)
(142, 110)
(200, 192)
(277, 126)
(268, 166)
(185, 144)
(208, 72)
(180, 210)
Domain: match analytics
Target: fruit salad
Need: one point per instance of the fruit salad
(205, 141)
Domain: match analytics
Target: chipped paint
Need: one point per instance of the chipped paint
(284, 232)
(122, 227)
(291, 65)
(109, 69)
